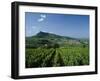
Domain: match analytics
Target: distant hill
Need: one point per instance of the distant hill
(44, 38)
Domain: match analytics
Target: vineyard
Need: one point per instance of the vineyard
(55, 57)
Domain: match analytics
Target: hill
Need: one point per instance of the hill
(50, 39)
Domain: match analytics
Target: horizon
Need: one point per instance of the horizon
(55, 34)
(76, 26)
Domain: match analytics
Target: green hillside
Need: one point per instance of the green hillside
(49, 39)
(51, 50)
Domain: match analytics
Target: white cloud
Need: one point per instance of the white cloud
(42, 17)
(33, 27)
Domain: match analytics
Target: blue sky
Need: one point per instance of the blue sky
(76, 26)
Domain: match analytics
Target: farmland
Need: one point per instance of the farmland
(50, 50)
(54, 57)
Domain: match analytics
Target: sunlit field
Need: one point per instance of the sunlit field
(55, 57)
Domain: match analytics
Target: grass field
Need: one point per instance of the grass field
(55, 57)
